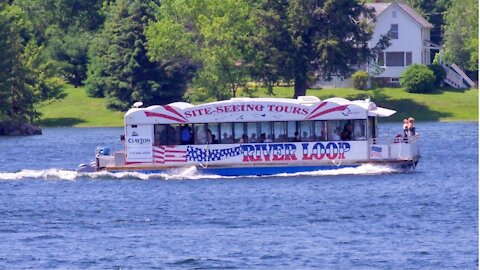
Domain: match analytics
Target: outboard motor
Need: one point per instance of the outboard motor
(85, 167)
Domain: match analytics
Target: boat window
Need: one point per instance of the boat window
(372, 127)
(334, 130)
(347, 130)
(167, 134)
(202, 134)
(215, 131)
(320, 129)
(239, 132)
(292, 131)
(359, 130)
(306, 131)
(266, 133)
(186, 134)
(226, 130)
(252, 132)
(280, 131)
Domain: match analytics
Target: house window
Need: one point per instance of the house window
(393, 31)
(380, 59)
(394, 59)
(408, 58)
(394, 14)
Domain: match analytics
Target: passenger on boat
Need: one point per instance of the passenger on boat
(244, 138)
(226, 138)
(186, 135)
(305, 137)
(253, 138)
(209, 135)
(297, 137)
(347, 132)
(411, 127)
(204, 135)
(405, 127)
(336, 135)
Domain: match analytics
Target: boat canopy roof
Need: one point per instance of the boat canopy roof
(303, 108)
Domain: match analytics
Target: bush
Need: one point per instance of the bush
(439, 73)
(417, 79)
(360, 80)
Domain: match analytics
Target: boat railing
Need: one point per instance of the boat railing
(398, 147)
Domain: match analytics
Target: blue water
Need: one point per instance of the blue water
(363, 218)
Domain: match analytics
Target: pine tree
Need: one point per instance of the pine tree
(120, 68)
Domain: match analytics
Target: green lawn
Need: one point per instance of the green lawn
(79, 110)
(447, 105)
(444, 105)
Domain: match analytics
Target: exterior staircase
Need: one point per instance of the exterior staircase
(456, 77)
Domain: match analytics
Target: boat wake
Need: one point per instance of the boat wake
(180, 174)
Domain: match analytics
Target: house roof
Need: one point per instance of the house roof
(381, 7)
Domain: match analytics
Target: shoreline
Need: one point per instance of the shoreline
(384, 121)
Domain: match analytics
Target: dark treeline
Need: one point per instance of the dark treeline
(163, 51)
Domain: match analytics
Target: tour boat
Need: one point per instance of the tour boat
(256, 136)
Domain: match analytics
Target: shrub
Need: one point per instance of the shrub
(439, 73)
(360, 80)
(417, 79)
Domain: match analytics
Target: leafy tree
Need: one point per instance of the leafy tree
(23, 84)
(461, 34)
(433, 11)
(64, 28)
(120, 68)
(211, 34)
(299, 37)
(439, 73)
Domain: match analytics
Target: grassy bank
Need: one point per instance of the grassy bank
(444, 105)
(447, 105)
(79, 110)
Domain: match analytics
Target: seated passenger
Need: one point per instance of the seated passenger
(244, 139)
(263, 138)
(226, 138)
(253, 138)
(305, 137)
(347, 132)
(186, 134)
(336, 135)
(297, 137)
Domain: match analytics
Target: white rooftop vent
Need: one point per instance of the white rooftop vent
(137, 104)
(308, 99)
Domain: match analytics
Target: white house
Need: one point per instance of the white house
(409, 37)
(410, 44)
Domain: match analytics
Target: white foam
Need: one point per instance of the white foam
(366, 169)
(190, 173)
(45, 174)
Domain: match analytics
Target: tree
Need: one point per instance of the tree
(461, 34)
(211, 34)
(23, 84)
(434, 11)
(64, 28)
(305, 36)
(119, 64)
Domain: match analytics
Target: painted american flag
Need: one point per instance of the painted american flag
(168, 153)
(199, 154)
(375, 151)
